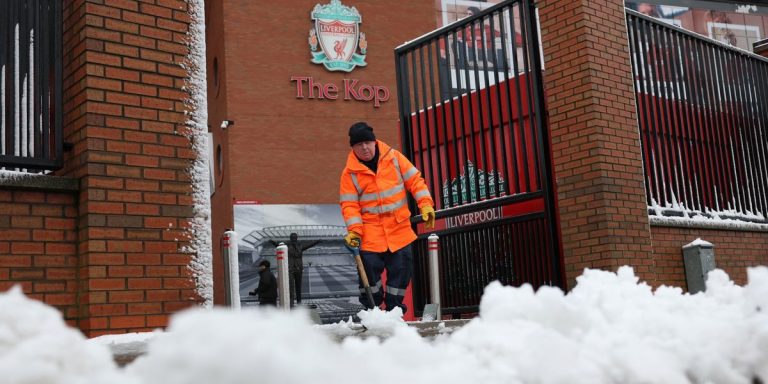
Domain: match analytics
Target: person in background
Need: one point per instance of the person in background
(296, 264)
(373, 201)
(649, 9)
(267, 289)
(477, 48)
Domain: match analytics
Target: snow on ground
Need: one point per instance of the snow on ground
(609, 329)
(36, 346)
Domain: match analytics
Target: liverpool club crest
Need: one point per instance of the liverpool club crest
(337, 33)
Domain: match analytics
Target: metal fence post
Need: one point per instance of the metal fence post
(283, 285)
(433, 242)
(231, 268)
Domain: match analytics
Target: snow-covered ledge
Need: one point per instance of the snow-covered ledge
(34, 181)
(722, 218)
(707, 223)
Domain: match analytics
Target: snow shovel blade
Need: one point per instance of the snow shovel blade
(363, 276)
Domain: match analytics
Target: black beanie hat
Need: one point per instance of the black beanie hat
(360, 132)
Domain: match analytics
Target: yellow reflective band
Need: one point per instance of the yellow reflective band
(356, 183)
(374, 289)
(353, 220)
(384, 194)
(421, 194)
(395, 291)
(397, 167)
(385, 208)
(411, 173)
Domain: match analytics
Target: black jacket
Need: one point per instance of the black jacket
(267, 289)
(295, 253)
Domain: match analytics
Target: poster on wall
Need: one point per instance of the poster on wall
(329, 281)
(489, 47)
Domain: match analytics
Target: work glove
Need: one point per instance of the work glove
(428, 215)
(352, 239)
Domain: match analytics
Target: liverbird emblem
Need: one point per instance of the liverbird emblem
(336, 25)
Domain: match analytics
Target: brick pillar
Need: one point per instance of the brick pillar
(595, 139)
(124, 113)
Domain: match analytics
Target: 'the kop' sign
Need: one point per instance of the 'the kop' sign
(334, 42)
(307, 87)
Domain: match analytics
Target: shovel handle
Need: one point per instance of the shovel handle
(364, 279)
(361, 269)
(363, 276)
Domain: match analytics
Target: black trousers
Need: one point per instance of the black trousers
(399, 267)
(294, 284)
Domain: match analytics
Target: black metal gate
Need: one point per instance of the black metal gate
(472, 116)
(31, 84)
(703, 113)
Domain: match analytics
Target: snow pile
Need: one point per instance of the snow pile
(374, 322)
(36, 346)
(383, 322)
(127, 344)
(261, 345)
(609, 329)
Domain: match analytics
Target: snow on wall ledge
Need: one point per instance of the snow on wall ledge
(677, 215)
(197, 124)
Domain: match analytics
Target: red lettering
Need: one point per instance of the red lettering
(299, 85)
(331, 91)
(382, 94)
(315, 86)
(350, 89)
(363, 90)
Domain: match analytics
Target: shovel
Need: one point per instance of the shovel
(363, 276)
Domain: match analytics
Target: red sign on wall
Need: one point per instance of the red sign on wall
(352, 89)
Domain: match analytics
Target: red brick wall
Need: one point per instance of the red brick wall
(285, 150)
(734, 252)
(595, 141)
(38, 246)
(290, 150)
(124, 113)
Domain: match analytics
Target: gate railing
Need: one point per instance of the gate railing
(30, 84)
(703, 113)
(472, 117)
(468, 102)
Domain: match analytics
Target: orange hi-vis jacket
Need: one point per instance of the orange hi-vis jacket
(375, 205)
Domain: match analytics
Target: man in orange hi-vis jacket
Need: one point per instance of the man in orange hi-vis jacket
(375, 209)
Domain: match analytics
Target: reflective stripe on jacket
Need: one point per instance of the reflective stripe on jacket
(375, 205)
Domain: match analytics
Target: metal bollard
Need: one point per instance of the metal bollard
(283, 285)
(433, 242)
(698, 259)
(231, 268)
